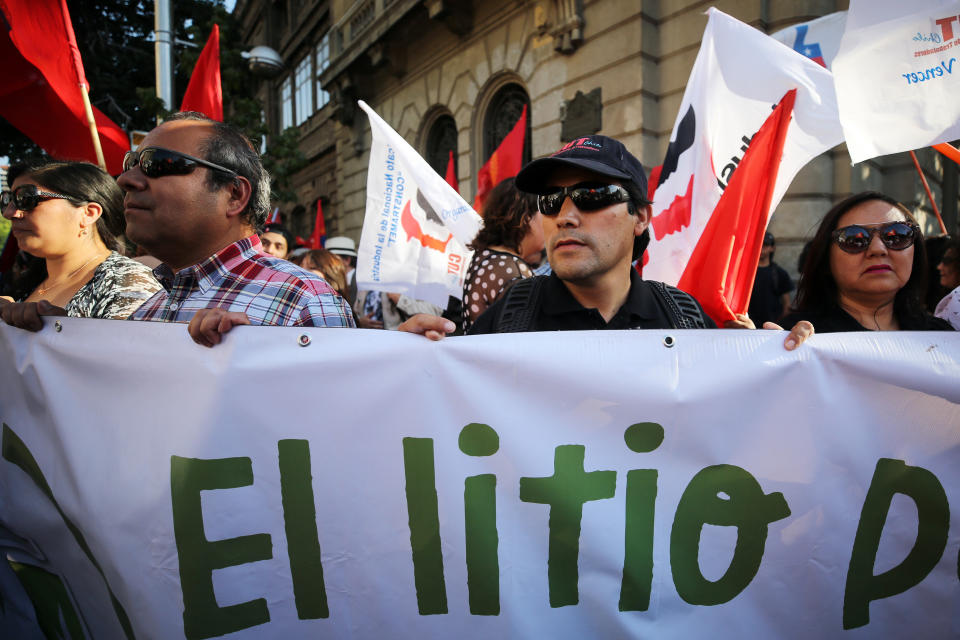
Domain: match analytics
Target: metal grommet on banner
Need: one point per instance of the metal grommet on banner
(303, 340)
(669, 341)
(57, 326)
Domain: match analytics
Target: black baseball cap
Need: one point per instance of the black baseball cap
(599, 154)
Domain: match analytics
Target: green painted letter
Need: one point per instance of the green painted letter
(891, 477)
(424, 518)
(480, 523)
(199, 557)
(566, 491)
(747, 508)
(300, 524)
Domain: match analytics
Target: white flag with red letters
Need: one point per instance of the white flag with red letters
(739, 76)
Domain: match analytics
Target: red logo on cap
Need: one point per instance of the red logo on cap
(580, 143)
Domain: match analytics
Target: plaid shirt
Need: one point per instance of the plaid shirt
(241, 277)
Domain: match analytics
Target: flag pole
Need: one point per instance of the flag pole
(948, 150)
(92, 123)
(926, 187)
(82, 82)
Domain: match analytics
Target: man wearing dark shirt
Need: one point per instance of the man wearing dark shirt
(772, 285)
(592, 194)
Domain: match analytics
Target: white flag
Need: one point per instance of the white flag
(416, 226)
(895, 79)
(817, 39)
(739, 75)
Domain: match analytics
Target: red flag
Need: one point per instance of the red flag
(504, 163)
(204, 93)
(451, 176)
(721, 269)
(273, 217)
(42, 73)
(319, 234)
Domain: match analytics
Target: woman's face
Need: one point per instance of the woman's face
(50, 229)
(531, 247)
(877, 273)
(949, 269)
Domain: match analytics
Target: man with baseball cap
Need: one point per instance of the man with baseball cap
(592, 194)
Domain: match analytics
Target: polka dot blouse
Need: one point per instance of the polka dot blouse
(490, 273)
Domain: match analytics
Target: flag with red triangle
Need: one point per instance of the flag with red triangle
(505, 162)
(722, 267)
(205, 93)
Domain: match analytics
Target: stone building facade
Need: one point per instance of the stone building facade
(454, 75)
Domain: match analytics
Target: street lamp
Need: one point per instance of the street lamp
(264, 61)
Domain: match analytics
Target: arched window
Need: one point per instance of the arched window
(441, 140)
(504, 111)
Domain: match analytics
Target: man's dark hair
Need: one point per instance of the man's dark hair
(638, 200)
(276, 227)
(817, 289)
(506, 217)
(229, 147)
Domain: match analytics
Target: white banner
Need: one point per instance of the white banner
(739, 75)
(416, 226)
(896, 87)
(567, 485)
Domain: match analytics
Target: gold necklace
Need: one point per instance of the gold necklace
(43, 290)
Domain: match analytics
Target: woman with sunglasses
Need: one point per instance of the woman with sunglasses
(70, 214)
(865, 270)
(510, 240)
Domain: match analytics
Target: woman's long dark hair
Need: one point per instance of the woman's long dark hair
(82, 182)
(506, 217)
(817, 289)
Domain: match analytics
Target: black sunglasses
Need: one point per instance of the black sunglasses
(586, 197)
(156, 162)
(26, 197)
(856, 238)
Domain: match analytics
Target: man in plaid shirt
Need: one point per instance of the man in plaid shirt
(196, 192)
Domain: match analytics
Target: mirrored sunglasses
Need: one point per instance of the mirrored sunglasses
(26, 197)
(156, 162)
(856, 238)
(586, 197)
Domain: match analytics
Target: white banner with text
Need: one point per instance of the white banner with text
(360, 484)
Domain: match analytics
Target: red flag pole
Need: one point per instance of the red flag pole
(926, 187)
(948, 150)
(82, 82)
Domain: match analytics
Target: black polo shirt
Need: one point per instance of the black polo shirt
(560, 311)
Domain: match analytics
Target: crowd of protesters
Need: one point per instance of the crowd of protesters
(192, 202)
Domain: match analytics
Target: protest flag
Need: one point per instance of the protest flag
(451, 176)
(319, 235)
(273, 217)
(44, 90)
(204, 92)
(738, 77)
(722, 267)
(894, 73)
(505, 162)
(416, 226)
(817, 39)
(44, 93)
